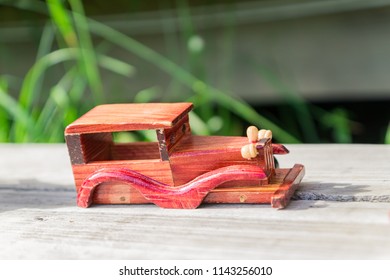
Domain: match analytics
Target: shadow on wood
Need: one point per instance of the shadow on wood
(343, 192)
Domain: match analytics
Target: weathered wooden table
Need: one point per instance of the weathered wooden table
(341, 211)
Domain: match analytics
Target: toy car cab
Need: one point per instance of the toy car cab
(179, 170)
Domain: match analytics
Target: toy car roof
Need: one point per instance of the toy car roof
(127, 117)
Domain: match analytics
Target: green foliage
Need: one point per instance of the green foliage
(387, 137)
(26, 119)
(66, 41)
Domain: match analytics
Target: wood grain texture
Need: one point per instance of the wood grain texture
(187, 196)
(342, 212)
(135, 151)
(281, 197)
(198, 154)
(154, 169)
(174, 135)
(185, 159)
(120, 193)
(126, 117)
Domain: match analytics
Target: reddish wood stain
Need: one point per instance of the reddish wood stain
(189, 195)
(179, 170)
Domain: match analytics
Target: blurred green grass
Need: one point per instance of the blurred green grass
(67, 40)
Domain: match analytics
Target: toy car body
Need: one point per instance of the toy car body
(180, 170)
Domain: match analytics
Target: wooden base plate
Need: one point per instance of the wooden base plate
(277, 193)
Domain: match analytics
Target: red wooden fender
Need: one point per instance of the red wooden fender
(187, 196)
(279, 149)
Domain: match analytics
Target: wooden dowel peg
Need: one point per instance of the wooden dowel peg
(251, 133)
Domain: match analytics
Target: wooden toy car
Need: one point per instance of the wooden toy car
(180, 170)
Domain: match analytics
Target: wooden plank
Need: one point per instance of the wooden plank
(127, 117)
(342, 172)
(309, 230)
(135, 151)
(39, 218)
